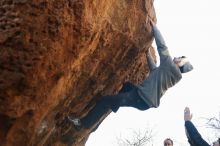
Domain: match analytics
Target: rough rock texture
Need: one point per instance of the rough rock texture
(58, 55)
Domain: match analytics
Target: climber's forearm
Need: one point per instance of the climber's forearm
(159, 38)
(161, 45)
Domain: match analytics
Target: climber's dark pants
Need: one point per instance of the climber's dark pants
(128, 98)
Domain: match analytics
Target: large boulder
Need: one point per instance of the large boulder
(57, 56)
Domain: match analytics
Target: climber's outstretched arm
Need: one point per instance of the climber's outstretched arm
(161, 45)
(159, 39)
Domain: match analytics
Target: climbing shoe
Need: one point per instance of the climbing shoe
(76, 122)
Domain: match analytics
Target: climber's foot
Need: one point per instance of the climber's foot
(75, 121)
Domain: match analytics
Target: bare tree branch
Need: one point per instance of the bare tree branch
(213, 123)
(139, 138)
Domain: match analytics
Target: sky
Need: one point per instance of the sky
(190, 28)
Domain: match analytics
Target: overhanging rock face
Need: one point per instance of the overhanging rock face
(58, 55)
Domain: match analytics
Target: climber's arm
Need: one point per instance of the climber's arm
(161, 45)
(151, 63)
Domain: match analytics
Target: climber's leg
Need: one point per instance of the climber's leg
(102, 106)
(105, 103)
(132, 99)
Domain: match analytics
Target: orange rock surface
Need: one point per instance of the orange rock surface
(56, 56)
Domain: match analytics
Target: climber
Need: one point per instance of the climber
(145, 95)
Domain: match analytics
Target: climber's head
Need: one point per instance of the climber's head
(183, 64)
